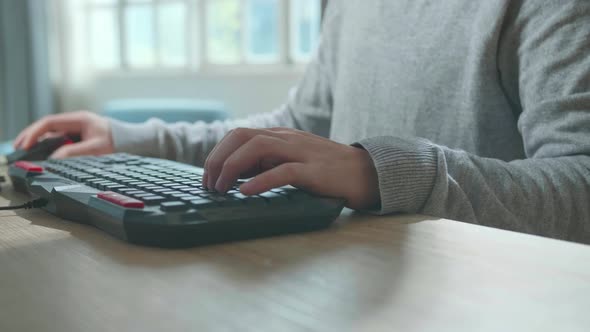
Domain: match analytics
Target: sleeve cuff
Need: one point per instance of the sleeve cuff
(135, 138)
(406, 170)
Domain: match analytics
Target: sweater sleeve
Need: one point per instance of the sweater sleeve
(309, 108)
(544, 58)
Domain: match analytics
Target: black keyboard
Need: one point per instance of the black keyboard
(162, 203)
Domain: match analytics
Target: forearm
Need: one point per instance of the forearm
(548, 196)
(187, 142)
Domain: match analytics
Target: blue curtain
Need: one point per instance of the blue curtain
(25, 86)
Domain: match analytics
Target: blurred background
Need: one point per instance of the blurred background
(188, 59)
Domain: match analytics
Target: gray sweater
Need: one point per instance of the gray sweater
(476, 111)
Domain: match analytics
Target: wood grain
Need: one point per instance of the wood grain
(401, 273)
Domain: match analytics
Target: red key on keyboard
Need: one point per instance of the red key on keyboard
(28, 166)
(121, 200)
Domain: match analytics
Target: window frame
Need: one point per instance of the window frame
(197, 62)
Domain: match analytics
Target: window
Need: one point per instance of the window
(160, 34)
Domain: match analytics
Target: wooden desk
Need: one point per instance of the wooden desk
(364, 274)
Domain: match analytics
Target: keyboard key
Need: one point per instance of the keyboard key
(250, 200)
(113, 187)
(218, 199)
(136, 192)
(152, 199)
(152, 188)
(142, 196)
(202, 203)
(172, 184)
(84, 178)
(189, 198)
(101, 185)
(155, 167)
(172, 192)
(273, 197)
(198, 191)
(173, 206)
(181, 187)
(240, 196)
(121, 200)
(181, 195)
(225, 200)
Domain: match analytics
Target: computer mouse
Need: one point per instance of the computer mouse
(43, 149)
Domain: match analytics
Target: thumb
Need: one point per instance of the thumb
(76, 149)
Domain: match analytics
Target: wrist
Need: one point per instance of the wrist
(364, 193)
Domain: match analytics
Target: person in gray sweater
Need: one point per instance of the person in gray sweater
(477, 111)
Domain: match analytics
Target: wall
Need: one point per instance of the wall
(242, 93)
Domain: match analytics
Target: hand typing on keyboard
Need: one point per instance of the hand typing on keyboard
(280, 156)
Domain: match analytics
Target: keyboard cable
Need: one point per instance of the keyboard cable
(34, 204)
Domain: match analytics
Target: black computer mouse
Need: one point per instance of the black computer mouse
(43, 149)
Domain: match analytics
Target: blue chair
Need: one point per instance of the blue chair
(168, 110)
(6, 147)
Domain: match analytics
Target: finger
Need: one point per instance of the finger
(19, 139)
(226, 147)
(204, 179)
(83, 148)
(231, 139)
(249, 156)
(68, 123)
(282, 175)
(208, 160)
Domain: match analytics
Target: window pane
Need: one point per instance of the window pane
(305, 30)
(104, 2)
(140, 35)
(262, 31)
(104, 49)
(172, 33)
(223, 31)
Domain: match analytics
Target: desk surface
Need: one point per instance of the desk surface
(364, 274)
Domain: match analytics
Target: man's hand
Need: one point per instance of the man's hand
(93, 130)
(279, 156)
